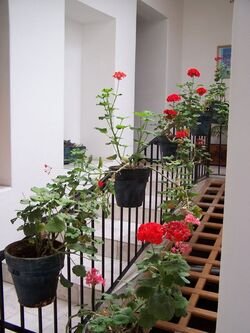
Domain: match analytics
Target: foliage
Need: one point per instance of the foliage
(116, 125)
(216, 98)
(63, 210)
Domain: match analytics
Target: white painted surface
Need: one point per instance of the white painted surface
(73, 80)
(206, 24)
(36, 76)
(5, 158)
(234, 296)
(89, 65)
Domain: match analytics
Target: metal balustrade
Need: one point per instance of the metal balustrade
(117, 252)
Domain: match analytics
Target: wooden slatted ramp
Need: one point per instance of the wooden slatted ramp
(204, 260)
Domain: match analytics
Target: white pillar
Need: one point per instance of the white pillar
(234, 293)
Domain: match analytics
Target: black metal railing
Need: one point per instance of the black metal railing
(117, 252)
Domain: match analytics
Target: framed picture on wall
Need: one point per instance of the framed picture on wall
(224, 52)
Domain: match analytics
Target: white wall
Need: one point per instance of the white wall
(234, 293)
(173, 11)
(5, 159)
(98, 66)
(151, 48)
(73, 80)
(206, 24)
(89, 65)
(36, 76)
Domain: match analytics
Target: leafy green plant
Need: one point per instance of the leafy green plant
(116, 125)
(63, 210)
(216, 100)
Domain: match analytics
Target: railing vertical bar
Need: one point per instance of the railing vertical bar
(150, 188)
(2, 330)
(40, 320)
(112, 239)
(92, 266)
(121, 239)
(22, 320)
(129, 234)
(69, 289)
(136, 228)
(220, 141)
(55, 316)
(103, 247)
(81, 287)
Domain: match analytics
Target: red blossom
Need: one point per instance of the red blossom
(193, 72)
(218, 58)
(182, 134)
(93, 277)
(100, 184)
(177, 231)
(182, 248)
(173, 98)
(201, 91)
(200, 142)
(190, 218)
(170, 114)
(150, 232)
(119, 75)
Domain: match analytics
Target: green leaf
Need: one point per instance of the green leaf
(112, 157)
(55, 224)
(79, 270)
(144, 291)
(120, 126)
(162, 306)
(100, 163)
(65, 282)
(102, 130)
(146, 319)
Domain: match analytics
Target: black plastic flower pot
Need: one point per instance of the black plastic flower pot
(35, 279)
(167, 147)
(130, 186)
(203, 128)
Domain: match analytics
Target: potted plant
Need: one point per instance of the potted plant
(217, 103)
(130, 174)
(157, 294)
(55, 221)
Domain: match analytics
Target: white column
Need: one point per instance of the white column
(234, 293)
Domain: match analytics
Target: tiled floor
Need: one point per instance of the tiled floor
(12, 313)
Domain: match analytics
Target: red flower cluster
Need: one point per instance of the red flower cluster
(150, 232)
(177, 231)
(93, 277)
(181, 134)
(173, 98)
(218, 58)
(200, 142)
(182, 248)
(170, 114)
(100, 184)
(119, 75)
(201, 91)
(193, 72)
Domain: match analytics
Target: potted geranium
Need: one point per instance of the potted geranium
(157, 294)
(130, 173)
(55, 220)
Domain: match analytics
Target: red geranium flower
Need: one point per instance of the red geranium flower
(177, 231)
(181, 134)
(93, 277)
(200, 142)
(218, 58)
(201, 91)
(150, 232)
(100, 184)
(193, 72)
(173, 98)
(170, 114)
(119, 75)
